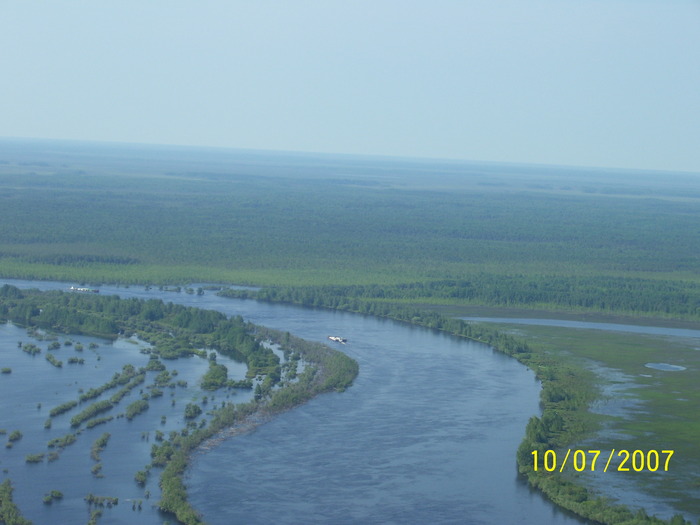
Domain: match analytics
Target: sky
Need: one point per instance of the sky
(607, 83)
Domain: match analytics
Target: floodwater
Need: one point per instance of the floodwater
(608, 327)
(427, 433)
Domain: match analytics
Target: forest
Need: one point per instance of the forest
(623, 295)
(441, 232)
(394, 238)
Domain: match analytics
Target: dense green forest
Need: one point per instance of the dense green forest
(631, 295)
(436, 232)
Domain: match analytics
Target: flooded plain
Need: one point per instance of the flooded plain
(428, 432)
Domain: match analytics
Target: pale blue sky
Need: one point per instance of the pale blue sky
(611, 83)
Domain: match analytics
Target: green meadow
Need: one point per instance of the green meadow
(652, 409)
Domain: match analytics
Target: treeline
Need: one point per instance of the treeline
(174, 330)
(591, 293)
(276, 229)
(80, 261)
(129, 378)
(128, 372)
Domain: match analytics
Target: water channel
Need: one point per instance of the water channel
(427, 433)
(608, 327)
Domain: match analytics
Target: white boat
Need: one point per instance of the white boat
(83, 290)
(337, 339)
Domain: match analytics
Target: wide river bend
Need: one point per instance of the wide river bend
(426, 434)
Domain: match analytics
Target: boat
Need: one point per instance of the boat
(337, 339)
(83, 290)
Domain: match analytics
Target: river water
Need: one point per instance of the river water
(427, 433)
(608, 327)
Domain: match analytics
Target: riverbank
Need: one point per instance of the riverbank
(567, 315)
(568, 391)
(325, 370)
(641, 406)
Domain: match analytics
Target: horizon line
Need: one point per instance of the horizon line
(376, 156)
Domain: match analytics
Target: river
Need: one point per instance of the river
(608, 327)
(427, 433)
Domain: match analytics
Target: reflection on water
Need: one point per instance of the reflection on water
(666, 367)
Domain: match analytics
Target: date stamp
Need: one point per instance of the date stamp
(617, 460)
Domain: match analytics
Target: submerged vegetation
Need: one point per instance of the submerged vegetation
(55, 362)
(99, 445)
(9, 513)
(64, 407)
(136, 408)
(328, 370)
(173, 330)
(188, 330)
(62, 442)
(52, 496)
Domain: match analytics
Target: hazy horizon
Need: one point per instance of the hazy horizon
(589, 83)
(342, 155)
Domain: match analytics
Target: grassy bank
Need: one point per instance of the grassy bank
(640, 408)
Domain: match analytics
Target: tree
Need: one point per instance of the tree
(192, 411)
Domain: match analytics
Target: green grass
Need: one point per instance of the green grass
(667, 417)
